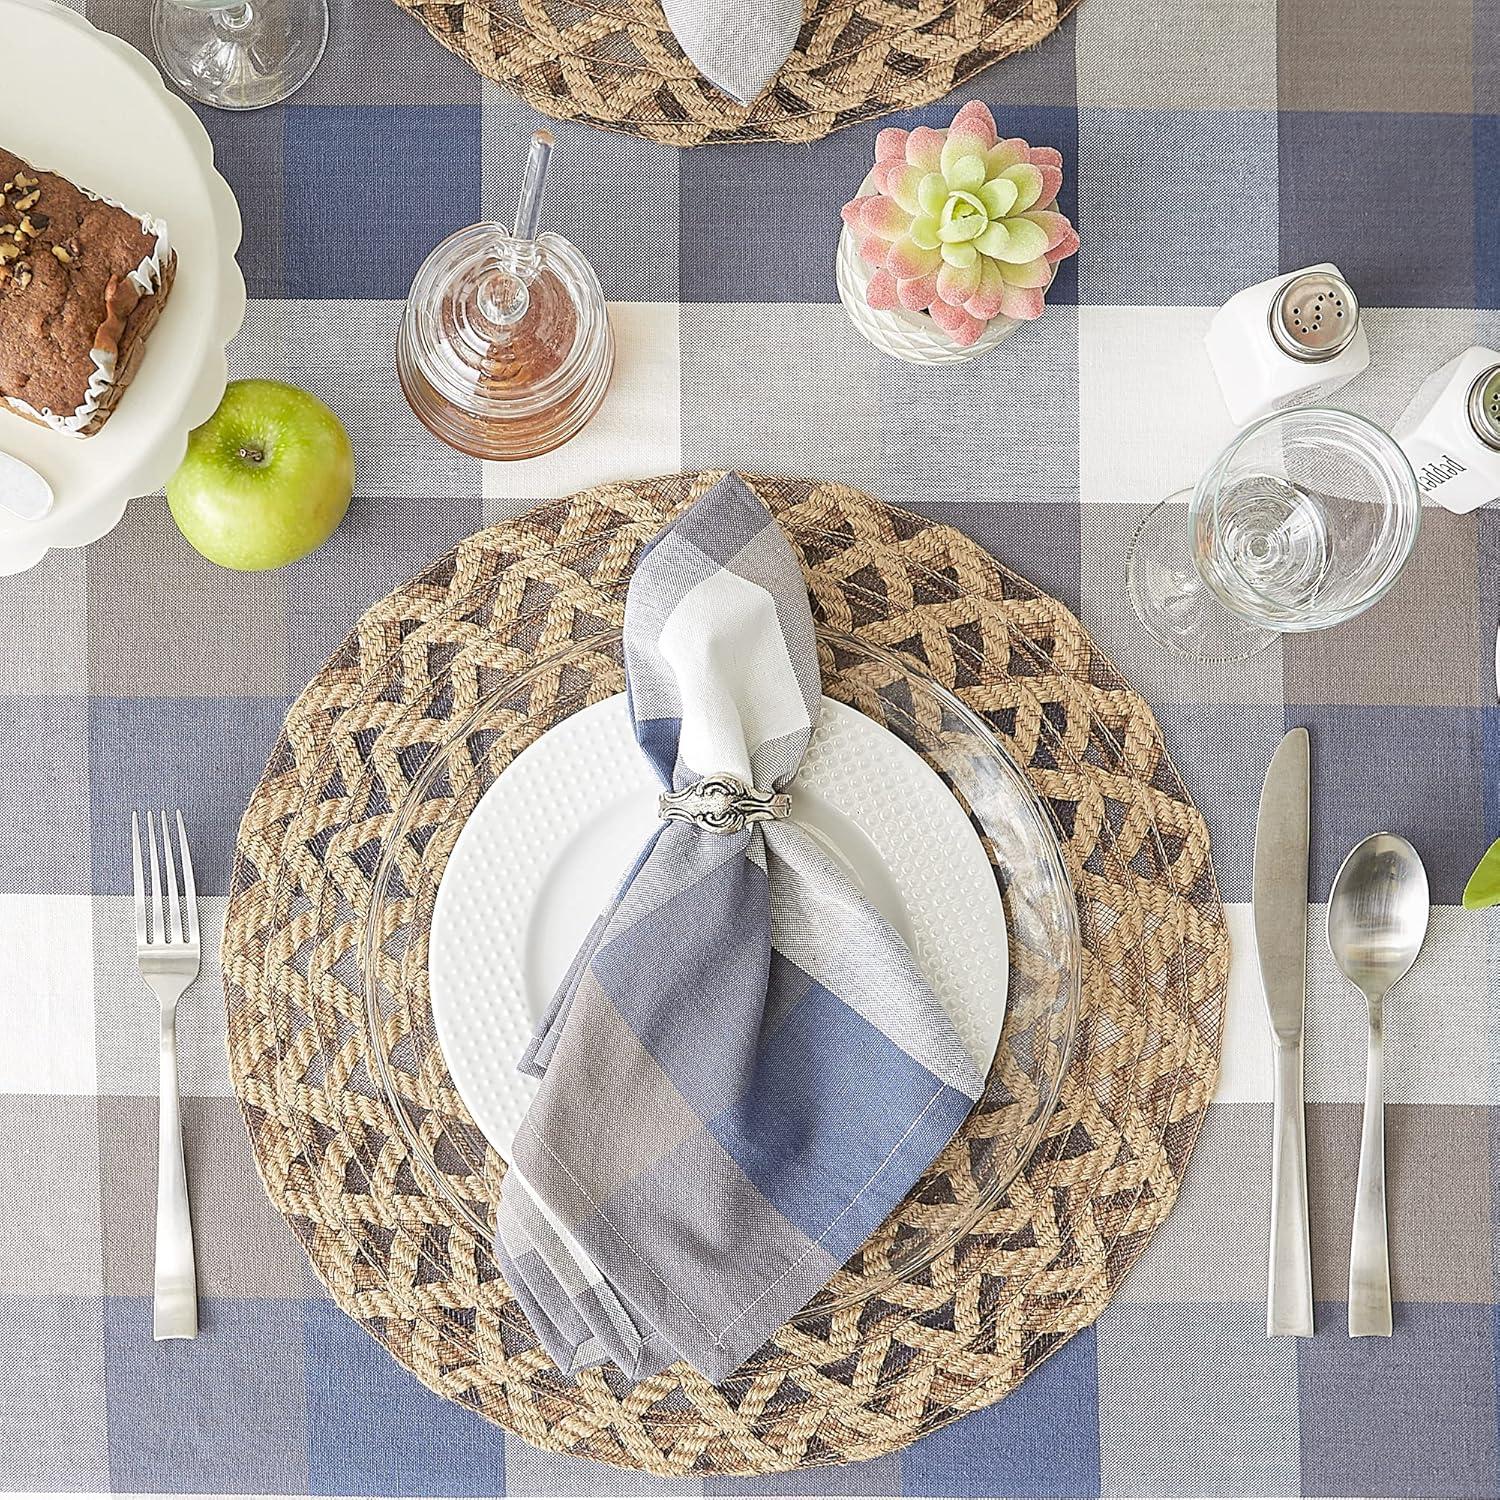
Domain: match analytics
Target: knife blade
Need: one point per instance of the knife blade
(1279, 916)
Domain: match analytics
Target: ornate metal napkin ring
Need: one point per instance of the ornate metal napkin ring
(723, 804)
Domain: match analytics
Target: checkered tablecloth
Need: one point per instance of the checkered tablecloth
(1207, 146)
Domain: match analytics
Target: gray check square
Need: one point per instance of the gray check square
(939, 441)
(398, 62)
(1390, 56)
(211, 631)
(44, 796)
(1435, 1054)
(46, 649)
(1486, 58)
(1431, 616)
(1212, 1247)
(243, 1247)
(49, 1197)
(530, 1472)
(1194, 1399)
(1217, 54)
(766, 429)
(876, 1476)
(879, 430)
(1438, 1231)
(53, 1422)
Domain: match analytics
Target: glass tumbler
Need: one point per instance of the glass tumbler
(1302, 522)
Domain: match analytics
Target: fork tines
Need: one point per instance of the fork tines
(180, 926)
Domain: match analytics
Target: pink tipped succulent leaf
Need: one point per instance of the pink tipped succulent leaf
(1064, 247)
(956, 284)
(1021, 303)
(906, 259)
(1031, 273)
(883, 292)
(924, 148)
(963, 225)
(975, 120)
(885, 217)
(902, 183)
(918, 293)
(963, 328)
(984, 304)
(1055, 226)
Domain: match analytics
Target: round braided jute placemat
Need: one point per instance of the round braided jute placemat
(616, 64)
(514, 629)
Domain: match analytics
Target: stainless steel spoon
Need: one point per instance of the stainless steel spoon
(1377, 918)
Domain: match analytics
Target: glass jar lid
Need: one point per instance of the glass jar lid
(505, 346)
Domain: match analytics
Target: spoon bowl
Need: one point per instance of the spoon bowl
(1377, 918)
(1377, 913)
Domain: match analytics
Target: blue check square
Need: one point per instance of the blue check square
(369, 192)
(1041, 1440)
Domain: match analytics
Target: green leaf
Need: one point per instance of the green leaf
(932, 192)
(1026, 241)
(998, 197)
(1483, 888)
(994, 241)
(964, 173)
(924, 232)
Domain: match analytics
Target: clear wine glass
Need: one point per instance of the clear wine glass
(239, 54)
(1303, 521)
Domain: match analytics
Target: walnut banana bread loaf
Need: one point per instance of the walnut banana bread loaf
(82, 282)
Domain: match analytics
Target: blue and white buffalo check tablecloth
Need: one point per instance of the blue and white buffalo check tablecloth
(1207, 145)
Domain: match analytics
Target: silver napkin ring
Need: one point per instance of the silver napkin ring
(723, 804)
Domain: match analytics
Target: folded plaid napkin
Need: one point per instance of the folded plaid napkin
(743, 1072)
(738, 45)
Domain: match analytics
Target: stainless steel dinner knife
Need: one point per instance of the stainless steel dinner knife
(1279, 909)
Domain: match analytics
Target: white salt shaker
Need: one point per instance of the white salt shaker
(1451, 432)
(1291, 341)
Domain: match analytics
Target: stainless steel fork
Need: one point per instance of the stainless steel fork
(168, 955)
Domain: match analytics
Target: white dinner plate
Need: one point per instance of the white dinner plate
(87, 105)
(545, 848)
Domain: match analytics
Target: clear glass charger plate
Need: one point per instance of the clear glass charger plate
(1016, 827)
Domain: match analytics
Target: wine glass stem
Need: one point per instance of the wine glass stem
(234, 18)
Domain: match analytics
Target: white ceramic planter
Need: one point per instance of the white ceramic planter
(905, 335)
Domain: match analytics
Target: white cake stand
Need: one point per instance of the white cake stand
(83, 103)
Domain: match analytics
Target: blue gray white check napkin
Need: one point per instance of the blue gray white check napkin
(738, 45)
(743, 1071)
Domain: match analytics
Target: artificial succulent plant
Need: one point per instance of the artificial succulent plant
(963, 225)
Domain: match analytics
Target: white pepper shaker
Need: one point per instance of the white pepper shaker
(1291, 341)
(1451, 431)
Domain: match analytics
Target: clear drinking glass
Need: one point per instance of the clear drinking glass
(241, 55)
(1302, 522)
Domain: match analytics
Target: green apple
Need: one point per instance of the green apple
(265, 479)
